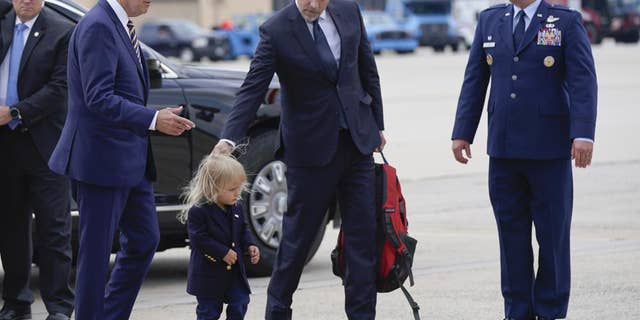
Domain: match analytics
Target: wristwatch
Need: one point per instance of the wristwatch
(15, 113)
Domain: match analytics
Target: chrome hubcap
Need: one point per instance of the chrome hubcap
(268, 203)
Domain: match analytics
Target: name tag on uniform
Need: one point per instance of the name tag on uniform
(488, 44)
(550, 37)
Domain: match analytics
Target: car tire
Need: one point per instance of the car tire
(221, 51)
(405, 51)
(186, 54)
(264, 209)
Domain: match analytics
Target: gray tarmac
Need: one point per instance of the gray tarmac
(457, 264)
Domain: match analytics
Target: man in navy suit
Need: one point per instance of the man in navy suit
(105, 149)
(542, 114)
(331, 124)
(33, 93)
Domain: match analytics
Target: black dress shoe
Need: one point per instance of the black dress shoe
(58, 316)
(14, 314)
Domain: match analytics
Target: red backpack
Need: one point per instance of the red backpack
(394, 245)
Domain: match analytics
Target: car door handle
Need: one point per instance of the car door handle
(205, 113)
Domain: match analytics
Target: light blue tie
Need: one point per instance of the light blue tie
(14, 68)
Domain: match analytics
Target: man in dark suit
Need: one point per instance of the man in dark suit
(33, 105)
(105, 149)
(331, 124)
(542, 113)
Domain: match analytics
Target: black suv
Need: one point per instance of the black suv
(208, 95)
(184, 40)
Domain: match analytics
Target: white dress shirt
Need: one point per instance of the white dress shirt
(4, 68)
(330, 32)
(124, 20)
(529, 11)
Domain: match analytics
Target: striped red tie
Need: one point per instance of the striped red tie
(134, 39)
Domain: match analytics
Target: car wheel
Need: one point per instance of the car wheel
(221, 51)
(438, 48)
(187, 55)
(266, 201)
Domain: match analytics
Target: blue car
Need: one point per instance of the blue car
(242, 34)
(386, 34)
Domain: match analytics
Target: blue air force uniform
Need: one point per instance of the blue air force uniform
(543, 96)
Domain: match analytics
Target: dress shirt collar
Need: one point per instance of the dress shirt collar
(120, 12)
(29, 23)
(530, 10)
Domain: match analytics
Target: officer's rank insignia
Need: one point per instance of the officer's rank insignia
(549, 61)
(489, 59)
(550, 36)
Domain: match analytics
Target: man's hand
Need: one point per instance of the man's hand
(582, 152)
(254, 254)
(5, 115)
(457, 147)
(231, 257)
(383, 142)
(169, 122)
(222, 148)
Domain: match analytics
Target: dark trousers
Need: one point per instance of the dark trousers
(236, 298)
(311, 190)
(538, 192)
(30, 187)
(105, 211)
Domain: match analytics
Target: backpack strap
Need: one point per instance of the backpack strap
(414, 305)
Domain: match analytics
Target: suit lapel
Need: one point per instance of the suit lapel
(336, 15)
(7, 27)
(124, 36)
(301, 32)
(505, 27)
(534, 26)
(37, 32)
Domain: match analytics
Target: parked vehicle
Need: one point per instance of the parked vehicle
(386, 34)
(242, 34)
(618, 19)
(208, 95)
(432, 19)
(183, 39)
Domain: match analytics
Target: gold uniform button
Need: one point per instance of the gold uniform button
(516, 59)
(549, 61)
(233, 244)
(489, 59)
(228, 267)
(513, 96)
(514, 77)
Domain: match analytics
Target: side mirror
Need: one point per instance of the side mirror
(155, 73)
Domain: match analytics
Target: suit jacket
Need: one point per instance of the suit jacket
(311, 101)
(42, 78)
(542, 95)
(105, 138)
(211, 235)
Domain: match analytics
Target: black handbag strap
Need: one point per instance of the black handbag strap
(414, 305)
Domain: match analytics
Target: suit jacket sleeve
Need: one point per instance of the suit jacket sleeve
(581, 80)
(248, 238)
(369, 73)
(199, 237)
(98, 76)
(474, 90)
(253, 90)
(52, 97)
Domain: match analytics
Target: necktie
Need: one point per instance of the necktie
(324, 50)
(134, 39)
(518, 33)
(17, 46)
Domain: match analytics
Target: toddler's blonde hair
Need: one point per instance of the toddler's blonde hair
(214, 174)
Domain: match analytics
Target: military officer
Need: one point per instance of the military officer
(541, 114)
